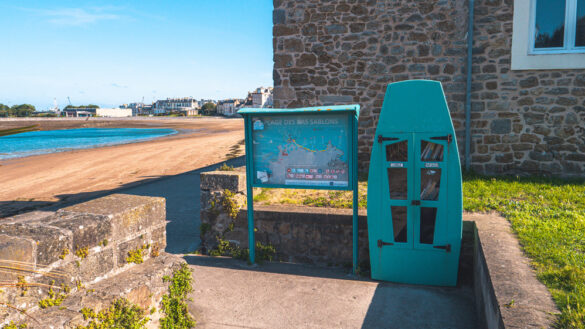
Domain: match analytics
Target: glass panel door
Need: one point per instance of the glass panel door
(429, 217)
(397, 224)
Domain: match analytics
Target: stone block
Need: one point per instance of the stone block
(95, 265)
(50, 241)
(87, 230)
(333, 99)
(16, 252)
(501, 126)
(278, 16)
(129, 214)
(336, 29)
(234, 181)
(131, 245)
(159, 236)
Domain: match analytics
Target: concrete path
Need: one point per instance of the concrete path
(183, 205)
(230, 294)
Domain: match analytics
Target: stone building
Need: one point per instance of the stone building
(527, 95)
(188, 105)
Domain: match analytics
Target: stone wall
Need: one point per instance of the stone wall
(78, 245)
(529, 121)
(343, 51)
(299, 234)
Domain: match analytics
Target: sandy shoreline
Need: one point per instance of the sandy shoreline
(66, 176)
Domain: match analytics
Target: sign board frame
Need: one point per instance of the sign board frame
(352, 112)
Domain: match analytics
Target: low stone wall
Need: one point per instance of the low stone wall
(299, 234)
(78, 245)
(507, 292)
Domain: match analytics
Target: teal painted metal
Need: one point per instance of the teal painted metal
(255, 121)
(414, 188)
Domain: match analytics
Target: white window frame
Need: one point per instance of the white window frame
(525, 57)
(570, 29)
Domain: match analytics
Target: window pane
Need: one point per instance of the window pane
(431, 151)
(398, 183)
(397, 151)
(549, 26)
(399, 223)
(430, 182)
(580, 35)
(427, 224)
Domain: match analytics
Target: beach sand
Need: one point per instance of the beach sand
(27, 183)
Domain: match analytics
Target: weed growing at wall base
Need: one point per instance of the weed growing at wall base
(174, 304)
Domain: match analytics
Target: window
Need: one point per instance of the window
(548, 34)
(558, 26)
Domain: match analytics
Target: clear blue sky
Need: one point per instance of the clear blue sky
(114, 52)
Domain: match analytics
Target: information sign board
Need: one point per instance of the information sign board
(302, 151)
(310, 148)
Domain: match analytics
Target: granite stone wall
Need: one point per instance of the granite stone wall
(344, 51)
(77, 245)
(298, 234)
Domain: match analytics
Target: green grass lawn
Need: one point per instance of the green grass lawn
(548, 215)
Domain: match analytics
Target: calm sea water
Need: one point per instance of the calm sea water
(41, 142)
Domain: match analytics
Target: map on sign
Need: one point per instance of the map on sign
(309, 150)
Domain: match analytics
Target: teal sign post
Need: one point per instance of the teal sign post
(306, 148)
(414, 188)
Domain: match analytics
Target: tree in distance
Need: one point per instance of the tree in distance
(209, 109)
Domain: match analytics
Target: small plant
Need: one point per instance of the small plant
(22, 285)
(155, 250)
(64, 253)
(204, 228)
(136, 256)
(81, 252)
(225, 248)
(104, 242)
(121, 314)
(54, 299)
(229, 203)
(174, 304)
(13, 325)
(226, 167)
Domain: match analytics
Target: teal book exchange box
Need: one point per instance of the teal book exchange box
(414, 188)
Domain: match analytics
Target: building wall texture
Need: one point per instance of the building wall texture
(343, 51)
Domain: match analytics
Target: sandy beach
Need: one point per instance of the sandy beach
(26, 183)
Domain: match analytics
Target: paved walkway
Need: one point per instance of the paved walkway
(231, 294)
(183, 205)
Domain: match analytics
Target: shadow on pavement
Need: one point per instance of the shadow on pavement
(392, 305)
(274, 267)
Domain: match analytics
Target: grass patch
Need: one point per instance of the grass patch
(548, 215)
(13, 131)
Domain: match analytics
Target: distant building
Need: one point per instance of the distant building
(229, 107)
(262, 97)
(138, 108)
(78, 112)
(169, 105)
(113, 113)
(203, 101)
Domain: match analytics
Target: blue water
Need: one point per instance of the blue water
(51, 141)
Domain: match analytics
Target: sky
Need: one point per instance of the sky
(115, 52)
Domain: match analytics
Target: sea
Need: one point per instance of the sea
(52, 141)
